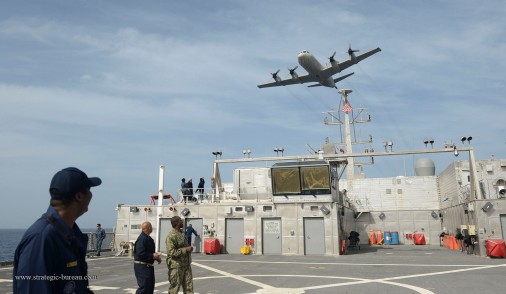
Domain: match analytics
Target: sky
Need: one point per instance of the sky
(118, 88)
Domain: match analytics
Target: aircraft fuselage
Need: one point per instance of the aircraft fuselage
(313, 66)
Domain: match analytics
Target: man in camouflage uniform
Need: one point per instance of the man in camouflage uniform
(179, 259)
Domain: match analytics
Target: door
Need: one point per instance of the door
(197, 226)
(271, 236)
(503, 225)
(234, 232)
(314, 236)
(164, 229)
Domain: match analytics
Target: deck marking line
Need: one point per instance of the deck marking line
(240, 278)
(387, 280)
(443, 273)
(344, 263)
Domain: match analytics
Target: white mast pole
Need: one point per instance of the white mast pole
(159, 209)
(350, 171)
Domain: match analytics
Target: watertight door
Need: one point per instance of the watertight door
(314, 236)
(165, 227)
(197, 226)
(271, 235)
(234, 235)
(503, 226)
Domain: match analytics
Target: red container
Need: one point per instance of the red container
(212, 246)
(496, 248)
(419, 239)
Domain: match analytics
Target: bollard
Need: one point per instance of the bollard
(130, 249)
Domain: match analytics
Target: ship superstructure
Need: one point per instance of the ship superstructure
(302, 205)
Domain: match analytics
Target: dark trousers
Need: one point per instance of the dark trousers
(145, 276)
(98, 245)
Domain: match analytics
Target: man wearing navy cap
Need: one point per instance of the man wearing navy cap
(50, 257)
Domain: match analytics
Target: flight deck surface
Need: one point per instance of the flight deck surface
(373, 269)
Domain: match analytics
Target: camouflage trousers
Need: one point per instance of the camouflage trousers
(180, 277)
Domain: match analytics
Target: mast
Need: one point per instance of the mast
(350, 171)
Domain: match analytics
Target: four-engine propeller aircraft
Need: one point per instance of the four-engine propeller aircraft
(316, 72)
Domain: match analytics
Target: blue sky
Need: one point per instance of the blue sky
(118, 88)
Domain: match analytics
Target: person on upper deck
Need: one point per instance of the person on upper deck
(200, 189)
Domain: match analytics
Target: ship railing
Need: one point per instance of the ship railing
(107, 244)
(210, 195)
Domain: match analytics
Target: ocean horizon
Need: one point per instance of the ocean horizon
(10, 238)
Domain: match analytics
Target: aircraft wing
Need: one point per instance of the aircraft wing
(291, 81)
(332, 70)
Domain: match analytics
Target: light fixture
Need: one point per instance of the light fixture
(426, 141)
(468, 139)
(217, 153)
(279, 149)
(382, 216)
(455, 151)
(434, 214)
(487, 207)
(385, 144)
(246, 151)
(431, 141)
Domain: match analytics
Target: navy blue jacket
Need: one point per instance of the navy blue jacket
(144, 248)
(188, 232)
(45, 261)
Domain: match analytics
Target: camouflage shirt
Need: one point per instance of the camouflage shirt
(176, 244)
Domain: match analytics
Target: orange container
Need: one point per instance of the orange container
(379, 237)
(372, 238)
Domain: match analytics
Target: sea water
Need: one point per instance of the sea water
(9, 240)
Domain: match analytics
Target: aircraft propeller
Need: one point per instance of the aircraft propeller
(292, 70)
(331, 58)
(351, 51)
(275, 75)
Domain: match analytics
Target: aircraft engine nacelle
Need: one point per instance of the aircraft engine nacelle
(293, 73)
(275, 76)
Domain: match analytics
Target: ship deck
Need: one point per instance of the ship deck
(372, 269)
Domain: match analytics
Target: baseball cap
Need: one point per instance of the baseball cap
(69, 181)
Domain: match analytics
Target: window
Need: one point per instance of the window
(301, 180)
(285, 181)
(315, 180)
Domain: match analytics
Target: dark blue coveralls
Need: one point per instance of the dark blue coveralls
(143, 263)
(46, 262)
(188, 234)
